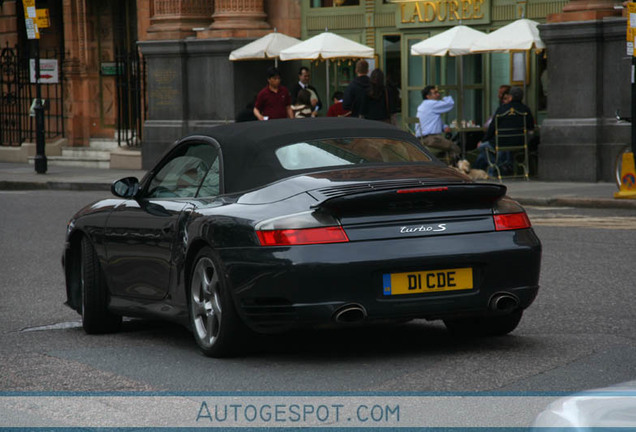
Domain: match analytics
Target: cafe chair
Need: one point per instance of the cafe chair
(510, 156)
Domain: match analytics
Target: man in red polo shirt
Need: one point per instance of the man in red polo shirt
(274, 101)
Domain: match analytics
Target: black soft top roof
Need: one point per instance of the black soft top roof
(248, 148)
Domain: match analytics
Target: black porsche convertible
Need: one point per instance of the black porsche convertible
(261, 227)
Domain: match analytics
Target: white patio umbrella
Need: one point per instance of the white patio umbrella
(266, 47)
(326, 46)
(455, 41)
(519, 35)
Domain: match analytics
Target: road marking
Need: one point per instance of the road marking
(612, 222)
(527, 207)
(58, 326)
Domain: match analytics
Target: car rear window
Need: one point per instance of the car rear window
(347, 151)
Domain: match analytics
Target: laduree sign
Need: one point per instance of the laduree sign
(435, 13)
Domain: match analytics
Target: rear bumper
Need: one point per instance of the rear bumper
(280, 288)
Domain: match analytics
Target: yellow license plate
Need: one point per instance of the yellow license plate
(428, 281)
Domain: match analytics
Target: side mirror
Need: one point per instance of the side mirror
(125, 188)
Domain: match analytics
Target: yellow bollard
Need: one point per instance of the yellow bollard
(628, 178)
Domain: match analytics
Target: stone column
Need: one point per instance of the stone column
(237, 18)
(76, 78)
(589, 74)
(589, 78)
(192, 86)
(177, 19)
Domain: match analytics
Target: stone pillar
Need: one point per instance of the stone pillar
(192, 85)
(167, 97)
(76, 78)
(177, 19)
(589, 75)
(237, 18)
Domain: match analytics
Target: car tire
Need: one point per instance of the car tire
(96, 319)
(217, 328)
(496, 325)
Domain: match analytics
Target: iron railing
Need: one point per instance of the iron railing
(17, 93)
(131, 100)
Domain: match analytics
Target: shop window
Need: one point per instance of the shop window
(415, 99)
(345, 72)
(444, 72)
(333, 3)
(414, 79)
(416, 67)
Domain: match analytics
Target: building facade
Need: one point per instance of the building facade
(574, 87)
(392, 28)
(145, 72)
(101, 90)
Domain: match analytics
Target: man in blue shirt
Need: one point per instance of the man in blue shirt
(430, 129)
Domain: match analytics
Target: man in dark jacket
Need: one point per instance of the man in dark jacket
(357, 89)
(521, 117)
(303, 83)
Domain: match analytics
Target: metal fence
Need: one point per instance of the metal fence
(17, 121)
(131, 97)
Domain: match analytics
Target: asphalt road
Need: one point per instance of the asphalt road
(579, 333)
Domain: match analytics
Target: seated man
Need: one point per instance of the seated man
(508, 122)
(430, 129)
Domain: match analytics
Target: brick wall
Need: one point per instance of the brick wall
(144, 12)
(284, 15)
(8, 24)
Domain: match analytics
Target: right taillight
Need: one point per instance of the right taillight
(511, 221)
(509, 215)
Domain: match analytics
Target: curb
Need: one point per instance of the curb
(51, 185)
(578, 202)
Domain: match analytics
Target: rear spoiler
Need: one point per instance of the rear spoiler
(408, 195)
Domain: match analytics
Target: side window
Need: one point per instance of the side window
(182, 175)
(210, 185)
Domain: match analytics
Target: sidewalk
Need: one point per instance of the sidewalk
(16, 176)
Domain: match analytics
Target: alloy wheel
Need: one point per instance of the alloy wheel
(206, 302)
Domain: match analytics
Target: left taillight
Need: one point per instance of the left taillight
(306, 236)
(509, 215)
(300, 229)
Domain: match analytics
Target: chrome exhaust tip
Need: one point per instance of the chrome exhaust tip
(503, 302)
(350, 313)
